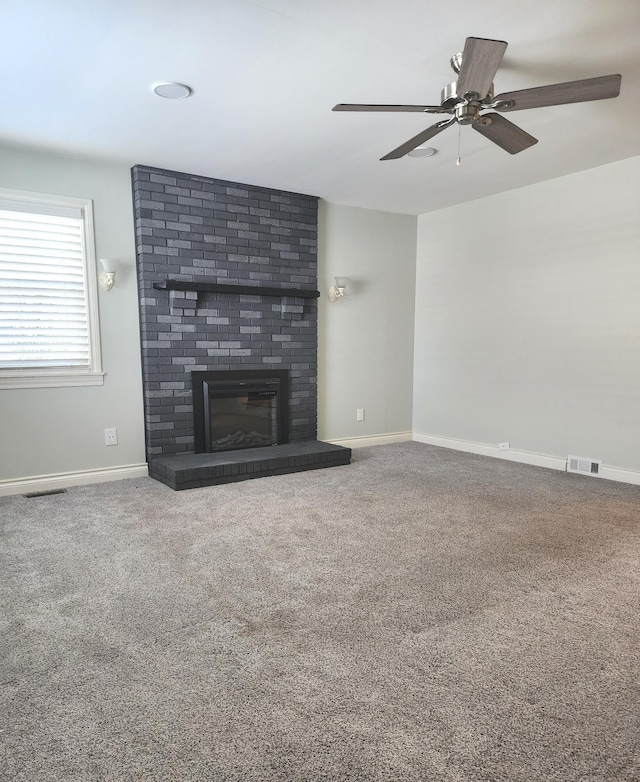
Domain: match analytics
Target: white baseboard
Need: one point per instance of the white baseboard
(525, 457)
(512, 455)
(374, 439)
(620, 474)
(65, 479)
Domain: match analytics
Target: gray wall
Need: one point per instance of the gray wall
(365, 339)
(528, 318)
(45, 431)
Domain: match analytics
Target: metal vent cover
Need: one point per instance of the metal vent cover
(45, 493)
(584, 465)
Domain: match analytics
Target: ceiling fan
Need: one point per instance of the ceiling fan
(472, 93)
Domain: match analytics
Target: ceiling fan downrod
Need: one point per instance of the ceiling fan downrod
(466, 108)
(456, 62)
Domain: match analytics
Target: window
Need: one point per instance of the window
(48, 298)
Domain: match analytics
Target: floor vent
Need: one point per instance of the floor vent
(584, 466)
(45, 493)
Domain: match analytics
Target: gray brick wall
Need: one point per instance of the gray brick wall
(199, 229)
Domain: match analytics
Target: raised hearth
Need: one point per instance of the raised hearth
(193, 470)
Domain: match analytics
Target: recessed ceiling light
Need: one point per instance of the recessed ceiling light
(422, 152)
(171, 89)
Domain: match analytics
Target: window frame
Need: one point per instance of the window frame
(56, 377)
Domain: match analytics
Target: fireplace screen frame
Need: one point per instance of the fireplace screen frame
(220, 378)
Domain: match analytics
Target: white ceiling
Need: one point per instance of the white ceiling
(77, 74)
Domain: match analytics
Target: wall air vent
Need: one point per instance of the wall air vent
(46, 493)
(583, 465)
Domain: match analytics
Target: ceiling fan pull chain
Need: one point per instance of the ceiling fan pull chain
(458, 158)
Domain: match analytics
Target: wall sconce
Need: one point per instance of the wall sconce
(106, 278)
(337, 291)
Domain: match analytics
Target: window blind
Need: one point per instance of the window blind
(43, 296)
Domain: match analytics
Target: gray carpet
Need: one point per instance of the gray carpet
(421, 614)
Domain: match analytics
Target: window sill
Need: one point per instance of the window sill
(57, 380)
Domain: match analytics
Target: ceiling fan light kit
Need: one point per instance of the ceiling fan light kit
(472, 93)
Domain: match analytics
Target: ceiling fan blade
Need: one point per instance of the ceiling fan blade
(384, 107)
(504, 133)
(557, 94)
(419, 139)
(481, 59)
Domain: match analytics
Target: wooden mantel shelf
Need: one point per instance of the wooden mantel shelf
(251, 290)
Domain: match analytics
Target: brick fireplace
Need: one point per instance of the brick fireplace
(227, 277)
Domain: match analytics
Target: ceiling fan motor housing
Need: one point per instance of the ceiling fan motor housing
(466, 111)
(449, 95)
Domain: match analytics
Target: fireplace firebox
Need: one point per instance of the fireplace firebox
(240, 409)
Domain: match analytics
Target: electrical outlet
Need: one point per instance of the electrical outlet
(111, 436)
(360, 414)
(504, 446)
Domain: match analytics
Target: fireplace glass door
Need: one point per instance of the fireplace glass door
(236, 410)
(242, 417)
